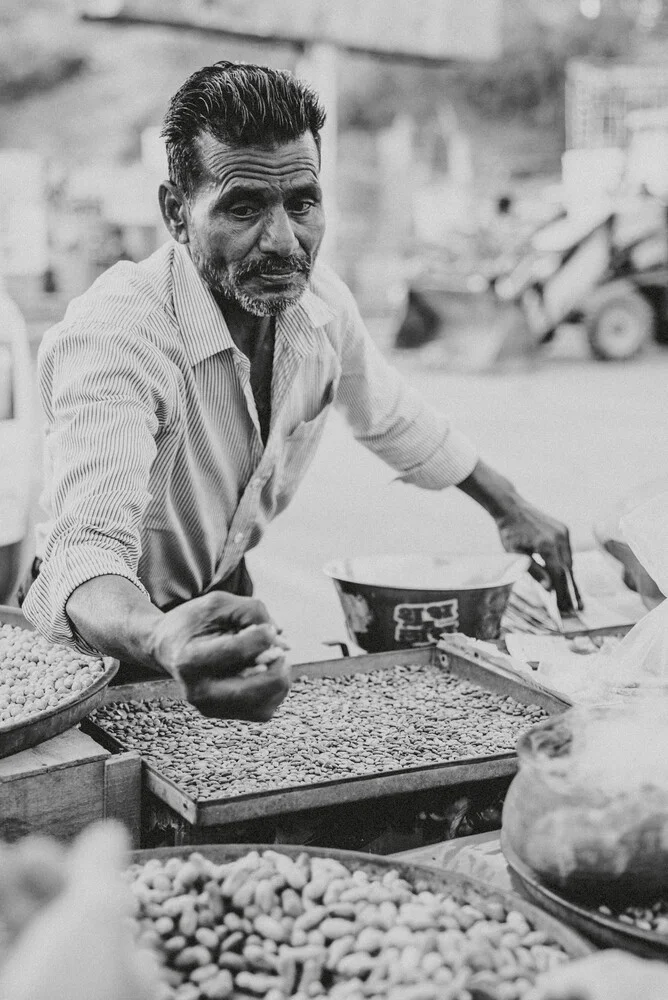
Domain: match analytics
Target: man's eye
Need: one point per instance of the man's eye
(243, 211)
(302, 207)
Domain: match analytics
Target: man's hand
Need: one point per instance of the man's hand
(523, 528)
(225, 650)
(608, 975)
(526, 529)
(210, 642)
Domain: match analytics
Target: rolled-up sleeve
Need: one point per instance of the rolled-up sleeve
(100, 397)
(391, 419)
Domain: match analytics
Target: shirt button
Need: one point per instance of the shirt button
(239, 537)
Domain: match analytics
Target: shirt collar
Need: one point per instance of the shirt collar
(200, 321)
(204, 329)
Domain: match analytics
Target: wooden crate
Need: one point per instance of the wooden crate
(62, 785)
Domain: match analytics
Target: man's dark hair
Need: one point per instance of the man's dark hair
(240, 104)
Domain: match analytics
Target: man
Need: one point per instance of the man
(186, 395)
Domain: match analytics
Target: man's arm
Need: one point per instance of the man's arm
(392, 420)
(102, 405)
(205, 644)
(524, 528)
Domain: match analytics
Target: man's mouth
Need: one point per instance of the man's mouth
(279, 277)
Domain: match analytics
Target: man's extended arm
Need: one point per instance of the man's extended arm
(524, 528)
(205, 644)
(102, 409)
(392, 420)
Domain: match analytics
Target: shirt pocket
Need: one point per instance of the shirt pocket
(299, 448)
(307, 429)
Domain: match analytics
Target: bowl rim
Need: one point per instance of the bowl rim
(333, 569)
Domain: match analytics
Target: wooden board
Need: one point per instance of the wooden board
(44, 725)
(259, 805)
(55, 788)
(122, 792)
(65, 783)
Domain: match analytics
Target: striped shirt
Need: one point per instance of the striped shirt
(155, 466)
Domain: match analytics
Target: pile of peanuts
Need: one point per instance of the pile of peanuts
(272, 926)
(36, 675)
(645, 918)
(329, 728)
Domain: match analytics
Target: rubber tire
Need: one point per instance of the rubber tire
(628, 304)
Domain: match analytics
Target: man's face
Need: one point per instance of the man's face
(255, 222)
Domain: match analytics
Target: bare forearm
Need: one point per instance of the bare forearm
(491, 490)
(114, 617)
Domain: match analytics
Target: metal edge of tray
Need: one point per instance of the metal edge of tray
(263, 803)
(423, 876)
(45, 725)
(297, 798)
(161, 786)
(618, 631)
(605, 932)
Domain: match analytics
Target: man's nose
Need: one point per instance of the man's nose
(278, 235)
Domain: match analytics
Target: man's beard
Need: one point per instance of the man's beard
(228, 283)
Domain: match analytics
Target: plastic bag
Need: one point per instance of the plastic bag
(588, 809)
(642, 657)
(638, 665)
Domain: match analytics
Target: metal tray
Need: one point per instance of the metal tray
(420, 877)
(262, 804)
(606, 932)
(44, 725)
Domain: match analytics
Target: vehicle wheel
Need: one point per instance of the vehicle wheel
(619, 324)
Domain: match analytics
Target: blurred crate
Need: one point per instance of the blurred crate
(599, 99)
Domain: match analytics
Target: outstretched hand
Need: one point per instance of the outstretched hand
(227, 653)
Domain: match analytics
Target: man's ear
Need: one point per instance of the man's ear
(174, 211)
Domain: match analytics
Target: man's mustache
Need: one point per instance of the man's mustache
(301, 263)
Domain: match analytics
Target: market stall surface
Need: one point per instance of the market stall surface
(351, 730)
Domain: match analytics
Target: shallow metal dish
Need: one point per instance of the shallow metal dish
(22, 735)
(606, 932)
(419, 876)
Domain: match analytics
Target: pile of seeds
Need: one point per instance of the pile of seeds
(36, 676)
(645, 918)
(268, 925)
(328, 729)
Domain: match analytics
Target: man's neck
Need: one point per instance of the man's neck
(247, 331)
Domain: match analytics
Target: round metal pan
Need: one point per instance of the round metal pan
(606, 932)
(420, 877)
(17, 736)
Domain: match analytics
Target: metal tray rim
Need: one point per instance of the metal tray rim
(598, 922)
(52, 721)
(221, 810)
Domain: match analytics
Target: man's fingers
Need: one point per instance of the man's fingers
(218, 655)
(252, 699)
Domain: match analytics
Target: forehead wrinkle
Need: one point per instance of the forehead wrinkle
(254, 162)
